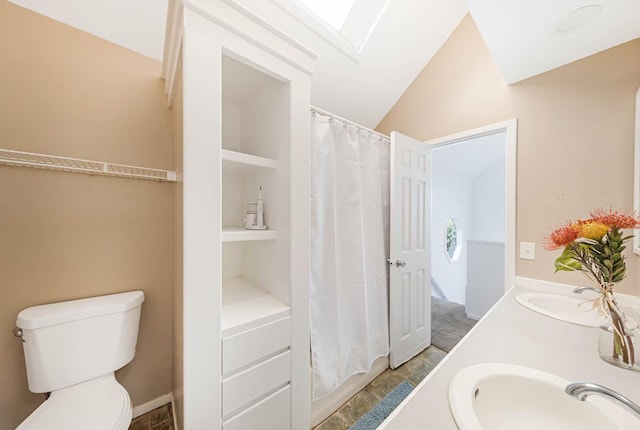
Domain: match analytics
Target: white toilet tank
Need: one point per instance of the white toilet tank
(71, 342)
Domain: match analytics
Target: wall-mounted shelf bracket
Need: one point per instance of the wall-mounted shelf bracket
(53, 162)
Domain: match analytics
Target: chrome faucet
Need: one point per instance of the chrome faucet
(580, 391)
(579, 290)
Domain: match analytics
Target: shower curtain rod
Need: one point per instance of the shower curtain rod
(346, 121)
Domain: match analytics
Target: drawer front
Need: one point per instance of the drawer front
(272, 413)
(252, 345)
(252, 383)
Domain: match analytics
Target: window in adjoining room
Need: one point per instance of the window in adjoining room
(453, 241)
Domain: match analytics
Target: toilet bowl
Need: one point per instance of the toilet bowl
(100, 404)
(72, 350)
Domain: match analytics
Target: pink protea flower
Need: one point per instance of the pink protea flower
(561, 237)
(616, 219)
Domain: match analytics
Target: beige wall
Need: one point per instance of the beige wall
(575, 132)
(178, 366)
(64, 235)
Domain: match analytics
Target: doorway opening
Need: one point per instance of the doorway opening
(473, 226)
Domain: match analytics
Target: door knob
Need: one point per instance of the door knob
(399, 263)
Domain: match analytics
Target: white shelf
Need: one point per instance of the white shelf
(246, 306)
(240, 234)
(240, 162)
(77, 165)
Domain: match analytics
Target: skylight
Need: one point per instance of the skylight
(333, 12)
(352, 20)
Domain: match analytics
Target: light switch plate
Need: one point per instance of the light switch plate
(527, 250)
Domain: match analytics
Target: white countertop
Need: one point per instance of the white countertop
(511, 333)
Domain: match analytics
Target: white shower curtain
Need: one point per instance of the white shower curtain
(349, 247)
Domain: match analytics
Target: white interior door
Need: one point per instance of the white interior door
(410, 259)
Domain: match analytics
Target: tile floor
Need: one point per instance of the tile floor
(158, 419)
(413, 371)
(449, 325)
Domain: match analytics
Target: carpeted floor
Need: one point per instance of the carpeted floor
(449, 323)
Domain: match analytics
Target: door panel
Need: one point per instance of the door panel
(410, 270)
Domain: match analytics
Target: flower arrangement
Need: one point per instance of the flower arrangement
(594, 247)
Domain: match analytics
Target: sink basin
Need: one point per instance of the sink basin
(495, 396)
(564, 308)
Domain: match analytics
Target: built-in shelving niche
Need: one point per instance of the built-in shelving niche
(247, 292)
(255, 136)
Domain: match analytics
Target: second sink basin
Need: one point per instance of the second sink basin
(561, 307)
(497, 396)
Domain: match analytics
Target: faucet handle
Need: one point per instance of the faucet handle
(17, 332)
(579, 290)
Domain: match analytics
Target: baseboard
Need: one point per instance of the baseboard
(173, 411)
(473, 316)
(153, 404)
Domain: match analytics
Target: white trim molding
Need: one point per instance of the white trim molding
(237, 19)
(636, 175)
(511, 128)
(153, 404)
(315, 24)
(172, 61)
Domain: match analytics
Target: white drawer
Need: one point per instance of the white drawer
(252, 345)
(271, 413)
(252, 383)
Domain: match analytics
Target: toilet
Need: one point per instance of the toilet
(71, 350)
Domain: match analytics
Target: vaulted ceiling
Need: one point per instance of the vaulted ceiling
(526, 37)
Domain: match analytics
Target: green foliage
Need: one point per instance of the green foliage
(602, 259)
(607, 256)
(567, 262)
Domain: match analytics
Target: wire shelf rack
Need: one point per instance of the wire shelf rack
(53, 162)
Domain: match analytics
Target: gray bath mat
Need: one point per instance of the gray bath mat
(383, 409)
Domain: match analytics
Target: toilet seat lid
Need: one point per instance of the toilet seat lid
(99, 404)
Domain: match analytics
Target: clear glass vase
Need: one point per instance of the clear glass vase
(618, 340)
